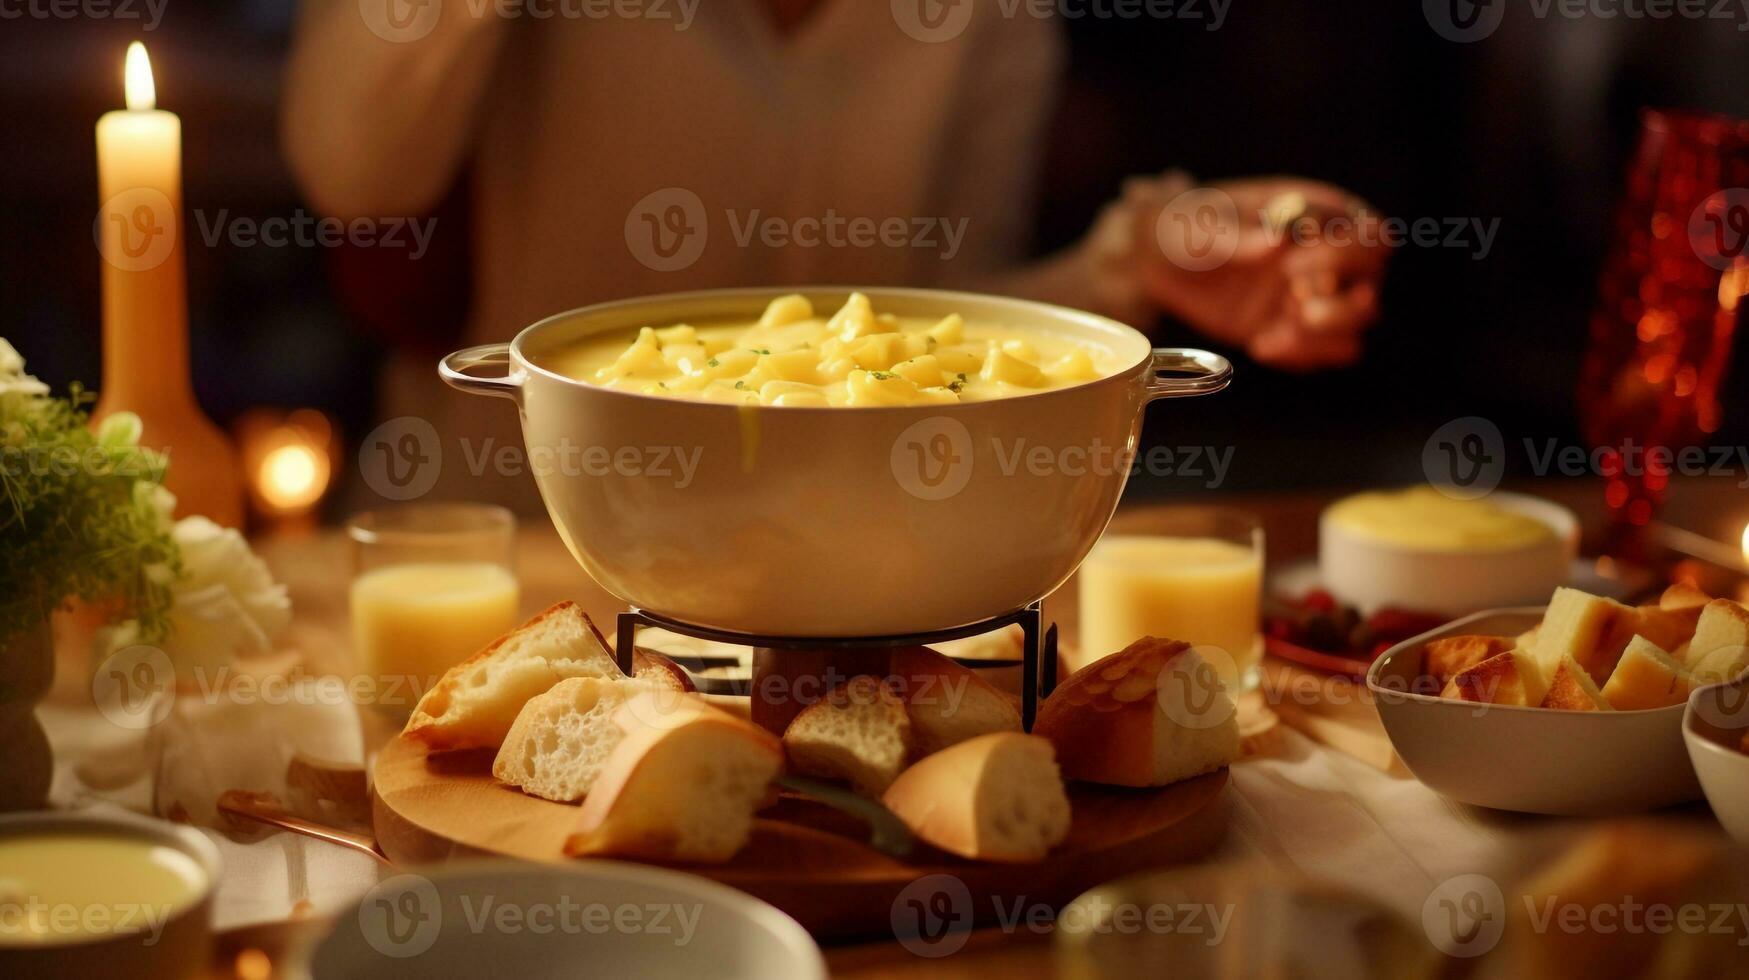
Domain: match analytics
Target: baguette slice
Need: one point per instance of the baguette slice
(1447, 657)
(948, 703)
(1572, 689)
(859, 732)
(1720, 648)
(1513, 677)
(560, 741)
(1151, 714)
(648, 665)
(1647, 677)
(1671, 621)
(477, 701)
(996, 797)
(682, 785)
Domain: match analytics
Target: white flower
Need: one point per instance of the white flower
(12, 376)
(225, 604)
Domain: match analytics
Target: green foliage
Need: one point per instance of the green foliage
(80, 514)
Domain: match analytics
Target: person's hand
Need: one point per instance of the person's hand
(1288, 269)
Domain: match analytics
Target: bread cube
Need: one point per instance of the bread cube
(1450, 656)
(1572, 689)
(1591, 630)
(1647, 677)
(1720, 648)
(1513, 677)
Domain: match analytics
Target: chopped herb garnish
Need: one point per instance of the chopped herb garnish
(962, 377)
(713, 362)
(740, 386)
(882, 375)
(760, 350)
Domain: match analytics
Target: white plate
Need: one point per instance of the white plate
(578, 919)
(1534, 760)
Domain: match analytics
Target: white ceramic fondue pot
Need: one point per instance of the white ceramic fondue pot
(831, 522)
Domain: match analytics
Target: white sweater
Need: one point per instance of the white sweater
(570, 121)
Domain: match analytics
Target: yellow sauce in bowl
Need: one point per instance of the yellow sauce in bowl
(65, 887)
(1425, 519)
(792, 356)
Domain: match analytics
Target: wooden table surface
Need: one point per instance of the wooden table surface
(315, 566)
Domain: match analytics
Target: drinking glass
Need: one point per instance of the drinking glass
(1196, 575)
(432, 584)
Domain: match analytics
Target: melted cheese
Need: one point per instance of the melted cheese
(791, 356)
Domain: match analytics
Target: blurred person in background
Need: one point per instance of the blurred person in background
(591, 144)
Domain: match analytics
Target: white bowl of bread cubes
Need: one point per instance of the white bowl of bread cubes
(1573, 709)
(662, 774)
(1716, 728)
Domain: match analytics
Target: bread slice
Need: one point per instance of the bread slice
(1572, 689)
(1591, 630)
(1527, 640)
(996, 797)
(1720, 648)
(1671, 621)
(1450, 656)
(1683, 596)
(859, 732)
(682, 785)
(947, 703)
(1513, 678)
(560, 741)
(477, 700)
(1151, 714)
(648, 665)
(1647, 677)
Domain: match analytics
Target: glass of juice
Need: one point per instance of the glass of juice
(432, 584)
(1196, 575)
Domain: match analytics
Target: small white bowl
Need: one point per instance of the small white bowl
(579, 918)
(1372, 574)
(1533, 760)
(1713, 727)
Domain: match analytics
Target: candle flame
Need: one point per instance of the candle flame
(141, 92)
(1746, 544)
(292, 477)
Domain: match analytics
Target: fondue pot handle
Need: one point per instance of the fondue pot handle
(1181, 372)
(453, 369)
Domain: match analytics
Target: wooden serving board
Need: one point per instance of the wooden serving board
(805, 858)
